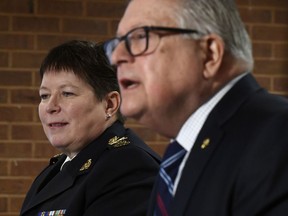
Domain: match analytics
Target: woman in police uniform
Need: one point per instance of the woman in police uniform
(104, 168)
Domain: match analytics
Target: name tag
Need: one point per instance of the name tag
(60, 212)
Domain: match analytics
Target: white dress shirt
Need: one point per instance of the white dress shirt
(66, 160)
(191, 128)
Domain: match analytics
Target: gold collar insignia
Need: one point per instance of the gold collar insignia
(86, 165)
(55, 158)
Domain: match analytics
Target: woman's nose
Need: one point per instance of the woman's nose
(53, 105)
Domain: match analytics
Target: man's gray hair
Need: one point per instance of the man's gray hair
(222, 18)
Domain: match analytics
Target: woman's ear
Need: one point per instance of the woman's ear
(113, 100)
(214, 48)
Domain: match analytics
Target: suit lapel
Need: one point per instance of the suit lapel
(41, 181)
(61, 182)
(208, 139)
(203, 149)
(51, 172)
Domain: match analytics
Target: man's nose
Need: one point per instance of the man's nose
(120, 54)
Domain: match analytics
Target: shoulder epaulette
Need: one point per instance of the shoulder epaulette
(116, 142)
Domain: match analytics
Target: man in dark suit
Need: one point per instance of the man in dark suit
(105, 169)
(185, 71)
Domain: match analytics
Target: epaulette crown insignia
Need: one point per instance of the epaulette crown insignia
(116, 141)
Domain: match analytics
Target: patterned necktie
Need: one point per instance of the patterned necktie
(167, 174)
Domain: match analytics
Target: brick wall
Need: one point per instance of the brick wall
(267, 23)
(29, 28)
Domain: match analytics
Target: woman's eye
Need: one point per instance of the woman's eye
(43, 96)
(67, 94)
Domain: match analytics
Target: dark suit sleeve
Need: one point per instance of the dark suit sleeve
(128, 177)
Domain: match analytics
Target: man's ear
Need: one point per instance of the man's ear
(214, 48)
(113, 100)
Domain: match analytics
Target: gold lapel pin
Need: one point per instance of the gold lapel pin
(205, 143)
(86, 165)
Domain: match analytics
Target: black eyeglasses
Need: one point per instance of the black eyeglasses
(143, 39)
